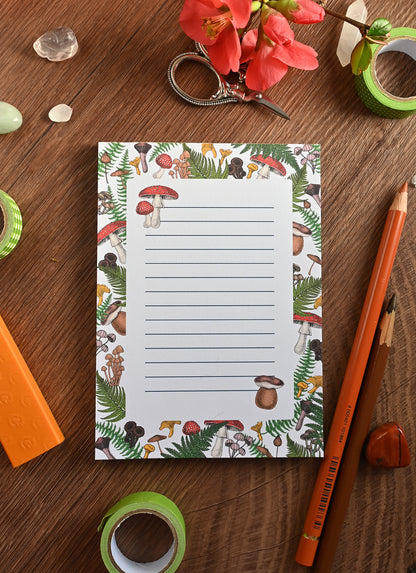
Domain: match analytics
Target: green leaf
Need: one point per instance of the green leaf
(112, 399)
(193, 446)
(296, 450)
(102, 309)
(279, 152)
(299, 185)
(305, 293)
(117, 435)
(117, 279)
(159, 148)
(203, 167)
(361, 57)
(380, 29)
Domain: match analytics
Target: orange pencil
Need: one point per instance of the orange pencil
(353, 378)
(374, 373)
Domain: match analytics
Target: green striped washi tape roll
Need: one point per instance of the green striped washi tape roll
(372, 93)
(12, 224)
(142, 502)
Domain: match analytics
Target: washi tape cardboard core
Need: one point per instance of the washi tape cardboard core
(150, 503)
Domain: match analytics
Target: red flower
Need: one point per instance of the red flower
(215, 24)
(299, 11)
(270, 54)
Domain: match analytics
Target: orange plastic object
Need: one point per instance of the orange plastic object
(27, 426)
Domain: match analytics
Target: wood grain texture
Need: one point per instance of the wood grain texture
(241, 517)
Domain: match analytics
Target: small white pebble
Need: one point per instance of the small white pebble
(60, 113)
(413, 181)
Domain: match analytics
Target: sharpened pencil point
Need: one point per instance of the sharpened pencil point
(404, 188)
(392, 304)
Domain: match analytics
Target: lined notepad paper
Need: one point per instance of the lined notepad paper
(205, 362)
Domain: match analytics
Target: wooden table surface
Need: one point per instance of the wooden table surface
(241, 517)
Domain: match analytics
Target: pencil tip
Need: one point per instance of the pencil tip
(392, 304)
(404, 187)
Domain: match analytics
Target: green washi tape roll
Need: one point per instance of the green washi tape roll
(12, 224)
(142, 502)
(372, 93)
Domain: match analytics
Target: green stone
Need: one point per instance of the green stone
(10, 118)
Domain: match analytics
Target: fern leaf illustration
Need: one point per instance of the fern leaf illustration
(296, 450)
(102, 309)
(304, 368)
(312, 221)
(279, 152)
(299, 185)
(117, 280)
(282, 427)
(112, 400)
(117, 441)
(193, 446)
(203, 167)
(163, 147)
(113, 150)
(305, 293)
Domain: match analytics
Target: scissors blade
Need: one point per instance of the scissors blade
(263, 100)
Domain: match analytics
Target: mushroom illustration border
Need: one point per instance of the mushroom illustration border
(121, 166)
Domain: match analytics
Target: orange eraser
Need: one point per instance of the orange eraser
(27, 426)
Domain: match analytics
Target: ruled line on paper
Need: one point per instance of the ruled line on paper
(208, 283)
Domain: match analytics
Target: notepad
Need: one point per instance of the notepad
(209, 313)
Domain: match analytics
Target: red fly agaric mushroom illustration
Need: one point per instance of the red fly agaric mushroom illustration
(145, 208)
(164, 161)
(306, 321)
(266, 395)
(222, 434)
(159, 193)
(299, 231)
(111, 233)
(267, 165)
(190, 428)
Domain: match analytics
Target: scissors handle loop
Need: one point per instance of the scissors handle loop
(220, 97)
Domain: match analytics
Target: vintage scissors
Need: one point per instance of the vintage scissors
(227, 92)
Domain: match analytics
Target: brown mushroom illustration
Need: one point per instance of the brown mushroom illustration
(306, 409)
(105, 160)
(159, 193)
(222, 434)
(157, 439)
(142, 148)
(299, 231)
(103, 444)
(111, 313)
(314, 259)
(306, 321)
(267, 165)
(313, 190)
(145, 208)
(264, 451)
(111, 233)
(266, 396)
(164, 161)
(277, 442)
